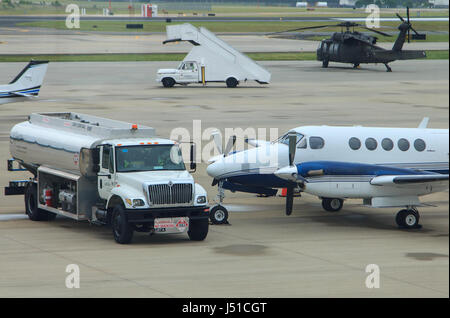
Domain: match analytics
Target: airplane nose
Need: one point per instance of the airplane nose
(287, 173)
(215, 169)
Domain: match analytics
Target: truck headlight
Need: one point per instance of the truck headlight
(138, 202)
(201, 199)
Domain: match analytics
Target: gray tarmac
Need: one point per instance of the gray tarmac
(263, 253)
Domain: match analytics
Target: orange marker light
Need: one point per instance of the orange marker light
(134, 126)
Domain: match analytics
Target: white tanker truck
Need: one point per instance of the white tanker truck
(107, 172)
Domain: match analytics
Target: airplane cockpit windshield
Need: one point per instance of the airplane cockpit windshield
(284, 139)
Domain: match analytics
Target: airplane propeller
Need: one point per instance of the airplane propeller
(290, 188)
(217, 137)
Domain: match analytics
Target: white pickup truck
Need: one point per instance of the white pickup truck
(106, 172)
(210, 60)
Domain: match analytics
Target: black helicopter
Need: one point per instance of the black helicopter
(356, 48)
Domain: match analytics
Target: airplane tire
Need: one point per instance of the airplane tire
(122, 230)
(332, 204)
(198, 229)
(231, 82)
(325, 63)
(407, 219)
(218, 215)
(168, 82)
(31, 205)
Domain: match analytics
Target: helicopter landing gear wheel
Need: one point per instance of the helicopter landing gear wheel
(325, 63)
(356, 65)
(388, 68)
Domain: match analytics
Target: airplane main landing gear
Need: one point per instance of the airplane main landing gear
(388, 68)
(218, 213)
(408, 218)
(332, 204)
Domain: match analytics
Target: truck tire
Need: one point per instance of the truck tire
(168, 82)
(231, 82)
(198, 229)
(122, 230)
(31, 205)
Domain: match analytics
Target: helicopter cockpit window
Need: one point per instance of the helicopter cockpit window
(285, 139)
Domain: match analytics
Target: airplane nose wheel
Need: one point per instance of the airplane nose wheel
(218, 215)
(408, 218)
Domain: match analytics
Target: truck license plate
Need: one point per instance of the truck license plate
(171, 225)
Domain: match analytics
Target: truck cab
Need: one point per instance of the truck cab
(187, 72)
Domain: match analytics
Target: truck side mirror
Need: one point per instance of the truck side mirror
(193, 165)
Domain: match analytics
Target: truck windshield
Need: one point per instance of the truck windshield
(148, 158)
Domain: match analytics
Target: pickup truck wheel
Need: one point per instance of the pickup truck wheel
(231, 82)
(168, 82)
(31, 205)
(122, 230)
(198, 229)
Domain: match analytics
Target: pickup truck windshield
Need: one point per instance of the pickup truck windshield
(149, 158)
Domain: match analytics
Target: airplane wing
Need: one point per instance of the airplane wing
(408, 179)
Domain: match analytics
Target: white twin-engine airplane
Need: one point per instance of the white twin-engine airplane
(386, 167)
(25, 85)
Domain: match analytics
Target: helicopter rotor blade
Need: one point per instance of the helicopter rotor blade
(400, 17)
(379, 32)
(300, 29)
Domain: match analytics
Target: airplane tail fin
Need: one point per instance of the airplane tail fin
(30, 79)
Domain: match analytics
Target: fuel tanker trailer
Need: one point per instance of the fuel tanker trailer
(106, 172)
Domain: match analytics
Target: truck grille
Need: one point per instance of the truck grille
(177, 193)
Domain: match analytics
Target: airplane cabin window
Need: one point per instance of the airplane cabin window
(419, 144)
(354, 143)
(316, 142)
(371, 144)
(387, 144)
(403, 144)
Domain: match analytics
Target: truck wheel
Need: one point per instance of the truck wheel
(231, 82)
(198, 229)
(31, 205)
(218, 215)
(332, 204)
(122, 230)
(168, 82)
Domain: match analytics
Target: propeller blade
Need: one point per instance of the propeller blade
(230, 145)
(400, 17)
(414, 30)
(217, 140)
(407, 14)
(409, 35)
(289, 200)
(292, 148)
(379, 32)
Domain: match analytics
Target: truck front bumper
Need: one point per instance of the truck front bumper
(149, 215)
